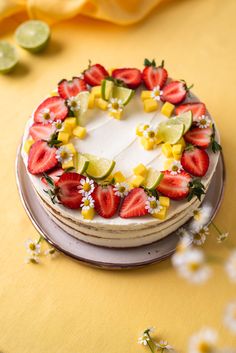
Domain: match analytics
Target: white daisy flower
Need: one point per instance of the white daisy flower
(150, 133)
(152, 205)
(87, 202)
(32, 259)
(142, 127)
(86, 186)
(58, 125)
(203, 341)
(64, 154)
(46, 116)
(115, 105)
(156, 93)
(164, 346)
(230, 316)
(222, 237)
(202, 122)
(143, 339)
(74, 103)
(230, 266)
(175, 167)
(185, 239)
(33, 247)
(52, 252)
(199, 237)
(201, 217)
(149, 330)
(121, 189)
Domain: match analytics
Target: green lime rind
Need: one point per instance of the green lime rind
(33, 35)
(106, 89)
(99, 168)
(123, 93)
(185, 118)
(153, 179)
(171, 133)
(82, 163)
(8, 57)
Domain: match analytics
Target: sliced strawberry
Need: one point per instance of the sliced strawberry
(106, 201)
(153, 75)
(197, 109)
(195, 161)
(41, 157)
(95, 74)
(55, 108)
(199, 137)
(174, 92)
(176, 187)
(67, 89)
(54, 175)
(130, 76)
(134, 204)
(68, 193)
(41, 131)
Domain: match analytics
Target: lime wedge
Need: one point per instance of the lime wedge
(83, 98)
(107, 87)
(185, 118)
(171, 133)
(99, 168)
(8, 57)
(153, 179)
(122, 93)
(82, 163)
(32, 35)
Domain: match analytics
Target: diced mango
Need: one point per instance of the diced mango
(69, 164)
(71, 147)
(177, 149)
(181, 142)
(164, 201)
(70, 123)
(96, 91)
(145, 95)
(54, 93)
(88, 214)
(158, 139)
(119, 177)
(167, 150)
(168, 163)
(28, 144)
(91, 101)
(167, 109)
(140, 128)
(116, 115)
(80, 132)
(177, 156)
(161, 214)
(63, 137)
(137, 181)
(101, 104)
(140, 169)
(147, 143)
(150, 105)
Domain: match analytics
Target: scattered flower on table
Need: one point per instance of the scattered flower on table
(33, 247)
(32, 259)
(230, 316)
(201, 217)
(143, 339)
(183, 245)
(203, 341)
(51, 252)
(230, 266)
(222, 237)
(200, 236)
(164, 346)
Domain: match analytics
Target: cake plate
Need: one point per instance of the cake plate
(101, 257)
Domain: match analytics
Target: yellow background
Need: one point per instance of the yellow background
(62, 306)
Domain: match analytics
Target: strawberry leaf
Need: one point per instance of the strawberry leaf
(215, 146)
(149, 63)
(196, 188)
(53, 190)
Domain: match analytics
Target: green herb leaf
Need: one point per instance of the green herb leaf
(49, 180)
(149, 63)
(215, 146)
(196, 189)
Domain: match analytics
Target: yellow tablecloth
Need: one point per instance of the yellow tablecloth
(62, 306)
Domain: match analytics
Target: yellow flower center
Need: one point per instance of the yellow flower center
(151, 134)
(194, 266)
(46, 116)
(156, 93)
(204, 347)
(203, 122)
(32, 246)
(153, 204)
(115, 105)
(196, 215)
(64, 154)
(73, 103)
(87, 187)
(86, 203)
(175, 168)
(121, 189)
(197, 236)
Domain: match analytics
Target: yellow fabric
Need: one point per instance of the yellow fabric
(62, 306)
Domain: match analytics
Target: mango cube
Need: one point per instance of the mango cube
(146, 95)
(182, 142)
(158, 139)
(161, 214)
(54, 93)
(28, 144)
(140, 128)
(177, 151)
(67, 165)
(88, 214)
(140, 169)
(101, 104)
(91, 101)
(96, 91)
(150, 105)
(164, 201)
(137, 181)
(167, 109)
(70, 123)
(167, 150)
(80, 132)
(116, 115)
(147, 144)
(119, 177)
(168, 163)
(63, 137)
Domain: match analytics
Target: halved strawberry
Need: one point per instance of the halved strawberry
(195, 161)
(54, 108)
(41, 157)
(197, 109)
(134, 204)
(68, 193)
(41, 131)
(95, 74)
(67, 89)
(174, 92)
(176, 187)
(199, 137)
(54, 175)
(130, 76)
(106, 202)
(153, 75)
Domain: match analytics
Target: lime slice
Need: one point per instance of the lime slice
(83, 98)
(32, 35)
(171, 133)
(122, 93)
(99, 168)
(82, 163)
(8, 57)
(153, 179)
(107, 87)
(185, 118)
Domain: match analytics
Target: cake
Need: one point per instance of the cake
(120, 158)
